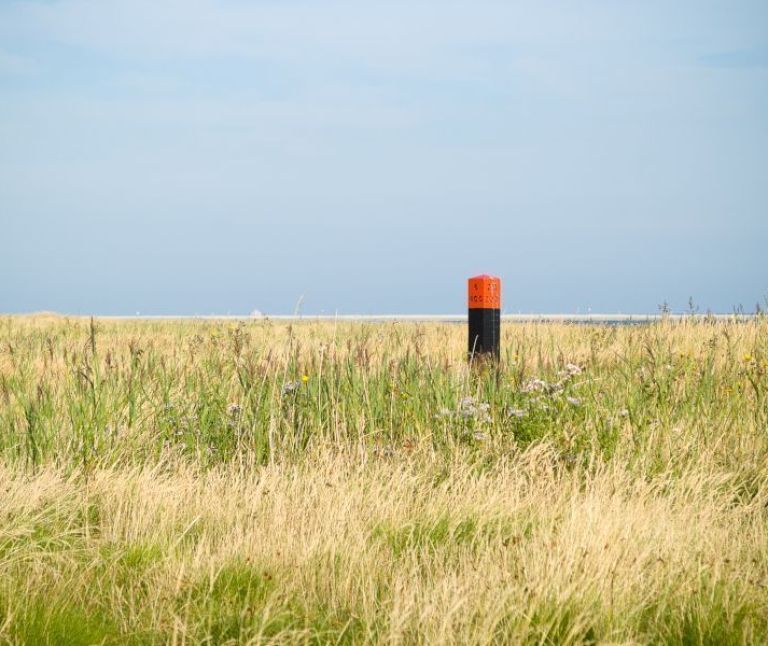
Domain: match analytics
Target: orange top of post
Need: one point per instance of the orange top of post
(484, 292)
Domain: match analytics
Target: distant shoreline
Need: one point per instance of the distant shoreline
(416, 318)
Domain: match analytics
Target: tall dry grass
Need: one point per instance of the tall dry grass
(182, 483)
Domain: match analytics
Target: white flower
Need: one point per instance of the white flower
(573, 401)
(234, 409)
(470, 410)
(290, 387)
(533, 385)
(467, 406)
(516, 412)
(571, 370)
(480, 437)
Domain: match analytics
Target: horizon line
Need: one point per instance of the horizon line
(437, 318)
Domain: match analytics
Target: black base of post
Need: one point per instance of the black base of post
(484, 332)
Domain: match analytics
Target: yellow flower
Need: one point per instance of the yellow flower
(747, 357)
(304, 378)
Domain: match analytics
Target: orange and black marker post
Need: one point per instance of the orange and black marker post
(484, 302)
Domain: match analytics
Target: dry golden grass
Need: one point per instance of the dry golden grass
(398, 550)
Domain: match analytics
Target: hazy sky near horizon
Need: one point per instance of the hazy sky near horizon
(215, 156)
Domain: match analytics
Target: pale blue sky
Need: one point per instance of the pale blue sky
(201, 156)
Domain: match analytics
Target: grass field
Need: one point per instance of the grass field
(200, 482)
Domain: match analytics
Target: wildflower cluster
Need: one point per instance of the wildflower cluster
(472, 413)
(536, 385)
(471, 410)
